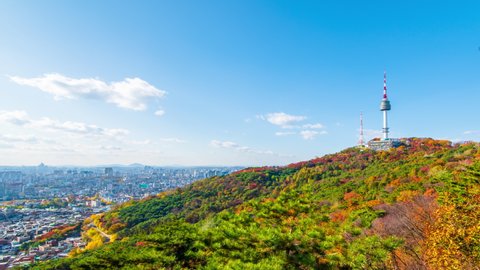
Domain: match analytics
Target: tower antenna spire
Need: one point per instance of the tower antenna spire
(361, 141)
(385, 84)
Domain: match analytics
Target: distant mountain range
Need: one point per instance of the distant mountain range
(411, 207)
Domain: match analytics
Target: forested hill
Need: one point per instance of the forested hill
(414, 207)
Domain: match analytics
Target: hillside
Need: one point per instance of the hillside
(414, 207)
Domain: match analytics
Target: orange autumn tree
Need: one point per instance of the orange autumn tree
(408, 220)
(454, 238)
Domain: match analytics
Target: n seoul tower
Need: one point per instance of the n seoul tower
(386, 142)
(385, 107)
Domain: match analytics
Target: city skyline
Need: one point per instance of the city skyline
(238, 83)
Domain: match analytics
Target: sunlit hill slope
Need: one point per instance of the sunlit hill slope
(413, 207)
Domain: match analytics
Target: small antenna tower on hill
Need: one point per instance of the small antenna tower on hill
(361, 141)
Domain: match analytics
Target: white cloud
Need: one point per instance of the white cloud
(17, 138)
(154, 142)
(159, 113)
(131, 93)
(282, 119)
(77, 127)
(308, 134)
(237, 147)
(27, 139)
(280, 133)
(109, 148)
(175, 140)
(113, 132)
(21, 118)
(470, 132)
(142, 142)
(223, 144)
(313, 126)
(311, 134)
(4, 145)
(14, 117)
(22, 143)
(287, 121)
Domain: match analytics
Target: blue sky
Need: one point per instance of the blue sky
(229, 82)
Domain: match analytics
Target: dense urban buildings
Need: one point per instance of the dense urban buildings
(42, 208)
(37, 230)
(113, 184)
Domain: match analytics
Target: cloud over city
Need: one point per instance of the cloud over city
(307, 131)
(130, 93)
(282, 119)
(311, 134)
(21, 118)
(237, 147)
(39, 137)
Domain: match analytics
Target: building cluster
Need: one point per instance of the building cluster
(24, 223)
(111, 183)
(51, 249)
(34, 201)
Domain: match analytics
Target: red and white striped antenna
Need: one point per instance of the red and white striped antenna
(384, 85)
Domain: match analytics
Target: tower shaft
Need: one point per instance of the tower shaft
(385, 129)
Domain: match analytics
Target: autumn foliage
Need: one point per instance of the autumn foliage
(413, 207)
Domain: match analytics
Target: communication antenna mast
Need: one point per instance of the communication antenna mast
(361, 141)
